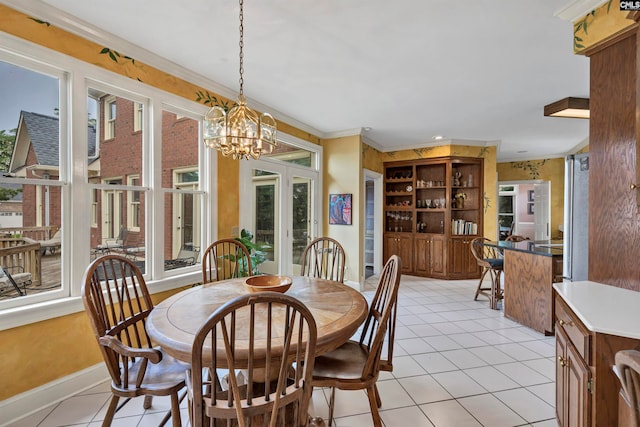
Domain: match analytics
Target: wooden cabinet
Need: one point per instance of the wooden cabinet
(573, 384)
(429, 255)
(438, 202)
(462, 263)
(587, 389)
(402, 245)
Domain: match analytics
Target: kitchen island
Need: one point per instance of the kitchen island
(530, 270)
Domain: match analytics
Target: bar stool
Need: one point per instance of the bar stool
(490, 259)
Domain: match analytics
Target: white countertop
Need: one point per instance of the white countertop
(603, 308)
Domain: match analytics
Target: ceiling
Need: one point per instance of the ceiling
(473, 71)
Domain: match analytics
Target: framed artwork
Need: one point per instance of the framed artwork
(530, 210)
(531, 195)
(340, 209)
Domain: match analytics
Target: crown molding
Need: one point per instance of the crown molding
(467, 142)
(577, 9)
(89, 32)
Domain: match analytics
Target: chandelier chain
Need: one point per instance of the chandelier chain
(241, 45)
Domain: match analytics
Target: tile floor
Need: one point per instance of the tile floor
(456, 363)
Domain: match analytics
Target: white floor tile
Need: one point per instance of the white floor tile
(491, 355)
(449, 413)
(463, 358)
(459, 384)
(424, 389)
(409, 416)
(548, 423)
(467, 340)
(526, 404)
(543, 348)
(491, 378)
(546, 367)
(546, 392)
(448, 328)
(522, 374)
(434, 362)
(349, 402)
(415, 346)
(490, 411)
(423, 330)
(363, 420)
(35, 418)
(393, 395)
(442, 343)
(517, 351)
(406, 366)
(76, 410)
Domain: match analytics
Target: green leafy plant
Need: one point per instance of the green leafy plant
(256, 251)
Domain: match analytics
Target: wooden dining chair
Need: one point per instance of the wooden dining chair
(356, 364)
(286, 332)
(225, 259)
(628, 371)
(491, 261)
(324, 258)
(116, 298)
(516, 238)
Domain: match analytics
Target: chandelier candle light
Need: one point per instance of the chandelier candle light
(241, 134)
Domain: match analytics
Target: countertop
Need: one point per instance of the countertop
(538, 247)
(603, 308)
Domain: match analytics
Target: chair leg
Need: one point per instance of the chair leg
(148, 400)
(332, 402)
(371, 393)
(108, 417)
(495, 288)
(378, 400)
(480, 288)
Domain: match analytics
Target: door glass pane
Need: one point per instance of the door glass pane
(266, 218)
(301, 220)
(292, 154)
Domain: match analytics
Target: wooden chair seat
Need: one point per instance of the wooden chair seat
(160, 378)
(343, 365)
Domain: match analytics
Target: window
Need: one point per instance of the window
(109, 118)
(105, 199)
(94, 208)
(137, 117)
(183, 198)
(133, 210)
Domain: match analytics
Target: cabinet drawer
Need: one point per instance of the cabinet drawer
(575, 330)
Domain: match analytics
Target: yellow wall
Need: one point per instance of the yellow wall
(602, 23)
(490, 176)
(547, 170)
(343, 174)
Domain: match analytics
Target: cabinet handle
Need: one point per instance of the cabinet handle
(562, 361)
(563, 323)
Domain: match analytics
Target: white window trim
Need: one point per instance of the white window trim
(67, 300)
(109, 121)
(138, 114)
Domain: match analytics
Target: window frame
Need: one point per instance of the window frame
(133, 206)
(74, 184)
(109, 119)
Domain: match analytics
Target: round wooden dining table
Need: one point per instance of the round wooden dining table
(337, 309)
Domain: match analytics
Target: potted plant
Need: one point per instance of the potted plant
(256, 251)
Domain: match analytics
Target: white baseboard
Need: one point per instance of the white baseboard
(29, 402)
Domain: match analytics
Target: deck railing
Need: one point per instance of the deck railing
(14, 253)
(35, 233)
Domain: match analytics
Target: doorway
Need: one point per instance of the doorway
(524, 209)
(372, 242)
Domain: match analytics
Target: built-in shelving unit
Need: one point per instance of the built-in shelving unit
(433, 209)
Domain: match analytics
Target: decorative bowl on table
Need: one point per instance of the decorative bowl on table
(268, 282)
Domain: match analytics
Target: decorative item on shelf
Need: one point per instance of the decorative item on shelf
(409, 188)
(470, 180)
(456, 179)
(241, 134)
(460, 197)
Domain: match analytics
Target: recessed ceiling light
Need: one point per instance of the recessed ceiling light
(366, 128)
(521, 151)
(438, 137)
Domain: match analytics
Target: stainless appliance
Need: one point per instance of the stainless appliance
(576, 217)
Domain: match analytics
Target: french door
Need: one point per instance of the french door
(279, 207)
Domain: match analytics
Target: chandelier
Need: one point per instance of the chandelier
(241, 134)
